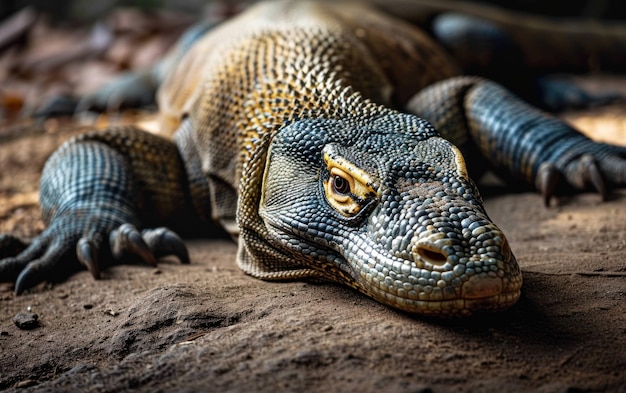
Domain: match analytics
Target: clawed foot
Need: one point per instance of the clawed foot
(598, 170)
(133, 90)
(52, 252)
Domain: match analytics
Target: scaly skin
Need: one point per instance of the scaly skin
(288, 139)
(497, 130)
(412, 233)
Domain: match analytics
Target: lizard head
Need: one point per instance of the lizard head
(386, 206)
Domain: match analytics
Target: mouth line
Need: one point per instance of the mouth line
(447, 307)
(501, 294)
(305, 237)
(353, 278)
(473, 300)
(477, 299)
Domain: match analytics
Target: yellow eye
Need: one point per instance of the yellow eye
(348, 188)
(341, 184)
(346, 193)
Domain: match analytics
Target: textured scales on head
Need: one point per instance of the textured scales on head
(420, 242)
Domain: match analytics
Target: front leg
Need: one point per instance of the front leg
(97, 191)
(518, 140)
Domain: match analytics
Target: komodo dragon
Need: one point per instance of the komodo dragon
(298, 132)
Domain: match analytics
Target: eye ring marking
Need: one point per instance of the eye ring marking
(348, 188)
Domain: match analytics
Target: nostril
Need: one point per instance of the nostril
(434, 257)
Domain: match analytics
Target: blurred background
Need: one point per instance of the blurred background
(89, 10)
(68, 48)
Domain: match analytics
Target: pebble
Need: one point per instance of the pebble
(26, 320)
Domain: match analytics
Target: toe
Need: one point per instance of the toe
(163, 242)
(548, 177)
(30, 276)
(127, 240)
(591, 173)
(87, 253)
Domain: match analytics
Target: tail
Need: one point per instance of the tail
(544, 44)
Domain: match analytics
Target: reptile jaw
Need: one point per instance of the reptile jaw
(478, 287)
(478, 294)
(497, 302)
(457, 262)
(448, 308)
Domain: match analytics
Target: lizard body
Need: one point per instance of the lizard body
(289, 135)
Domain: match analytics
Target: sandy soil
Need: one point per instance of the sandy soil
(209, 327)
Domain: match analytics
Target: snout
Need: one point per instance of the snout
(456, 268)
(475, 259)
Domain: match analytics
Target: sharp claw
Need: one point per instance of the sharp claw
(28, 278)
(42, 268)
(592, 174)
(163, 242)
(11, 267)
(548, 176)
(87, 253)
(126, 239)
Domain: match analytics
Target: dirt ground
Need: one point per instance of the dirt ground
(209, 327)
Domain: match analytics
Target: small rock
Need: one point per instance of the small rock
(26, 320)
(4, 333)
(87, 306)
